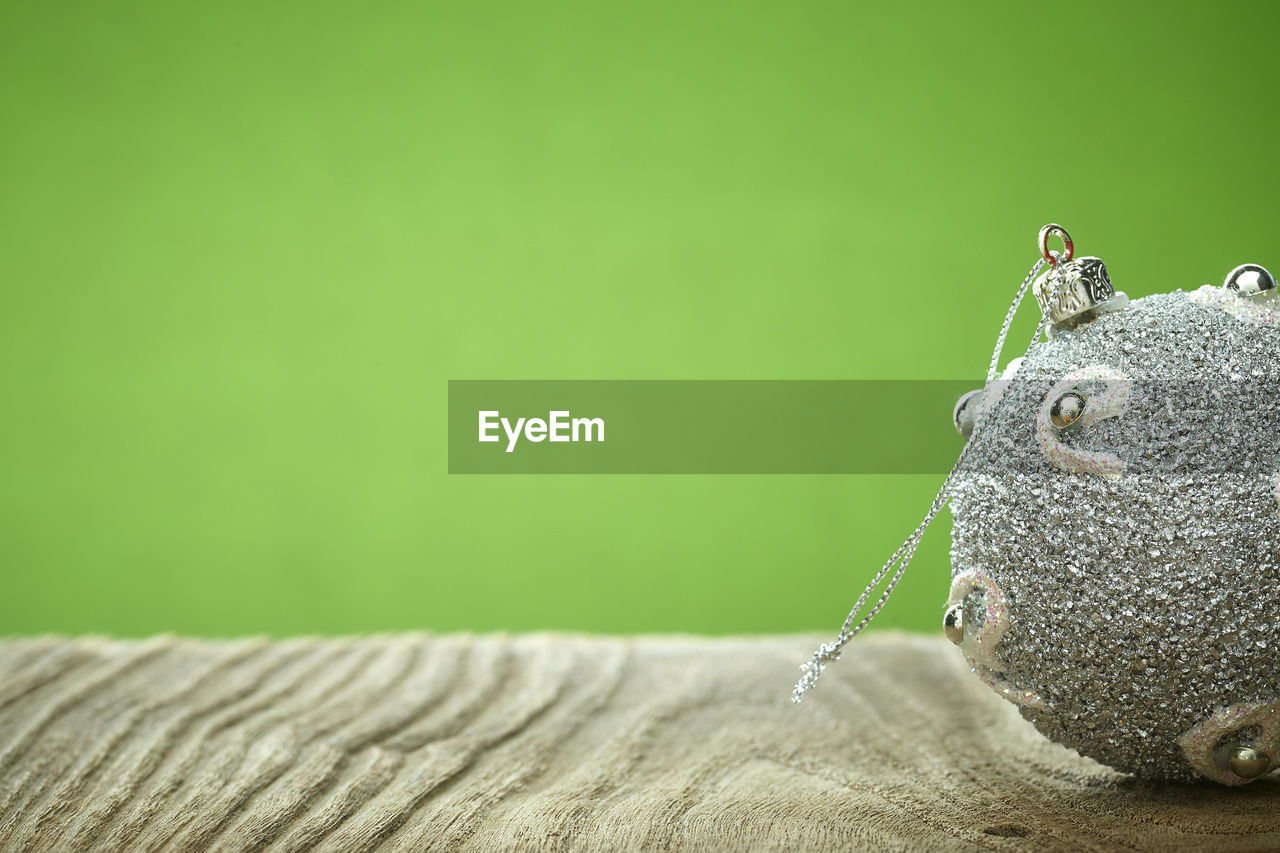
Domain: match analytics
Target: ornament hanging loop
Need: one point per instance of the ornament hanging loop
(1053, 229)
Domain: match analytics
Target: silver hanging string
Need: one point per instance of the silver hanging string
(1008, 318)
(827, 652)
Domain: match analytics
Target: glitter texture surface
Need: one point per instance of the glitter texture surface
(1264, 312)
(1136, 559)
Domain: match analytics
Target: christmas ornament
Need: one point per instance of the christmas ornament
(1116, 542)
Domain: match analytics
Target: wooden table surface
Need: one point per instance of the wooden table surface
(554, 742)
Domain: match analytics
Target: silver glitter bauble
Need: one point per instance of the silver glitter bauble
(1116, 546)
(1120, 580)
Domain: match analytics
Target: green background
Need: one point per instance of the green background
(244, 245)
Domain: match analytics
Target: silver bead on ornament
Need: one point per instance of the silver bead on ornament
(1251, 280)
(1244, 761)
(953, 623)
(963, 414)
(1066, 411)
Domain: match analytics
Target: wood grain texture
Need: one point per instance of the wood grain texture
(553, 742)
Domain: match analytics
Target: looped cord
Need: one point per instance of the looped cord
(1008, 318)
(827, 652)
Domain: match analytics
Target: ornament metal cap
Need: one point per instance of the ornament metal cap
(1073, 287)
